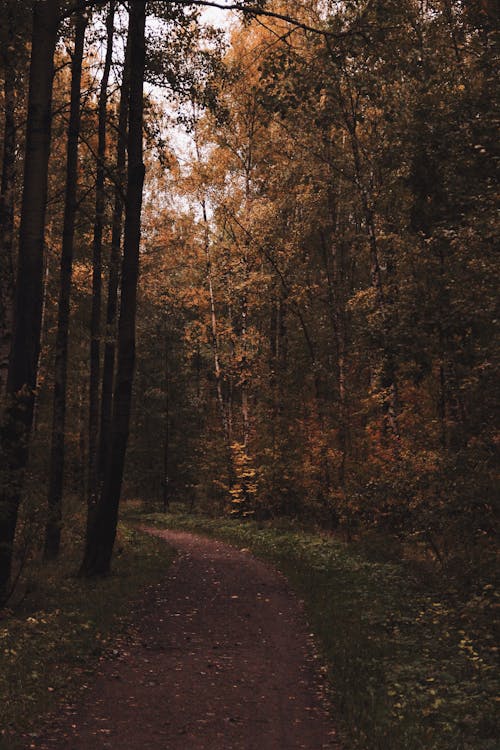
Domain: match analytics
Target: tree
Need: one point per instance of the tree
(23, 364)
(7, 187)
(101, 529)
(57, 451)
(95, 320)
(114, 272)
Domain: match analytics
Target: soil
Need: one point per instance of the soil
(220, 658)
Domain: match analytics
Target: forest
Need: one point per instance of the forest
(249, 272)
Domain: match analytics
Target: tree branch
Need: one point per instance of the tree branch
(255, 11)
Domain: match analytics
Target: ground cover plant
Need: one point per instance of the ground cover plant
(50, 645)
(411, 658)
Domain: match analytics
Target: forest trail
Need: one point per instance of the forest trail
(220, 659)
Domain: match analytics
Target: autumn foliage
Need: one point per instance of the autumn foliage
(316, 322)
(332, 310)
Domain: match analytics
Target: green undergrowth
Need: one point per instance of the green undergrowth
(52, 640)
(410, 656)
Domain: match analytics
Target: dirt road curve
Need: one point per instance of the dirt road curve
(221, 660)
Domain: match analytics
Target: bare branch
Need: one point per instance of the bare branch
(255, 12)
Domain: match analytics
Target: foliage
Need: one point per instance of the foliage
(244, 488)
(336, 225)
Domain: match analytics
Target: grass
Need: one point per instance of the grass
(411, 658)
(51, 643)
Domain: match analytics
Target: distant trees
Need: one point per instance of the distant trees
(341, 175)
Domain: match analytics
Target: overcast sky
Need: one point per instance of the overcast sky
(218, 17)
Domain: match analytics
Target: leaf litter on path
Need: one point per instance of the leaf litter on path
(219, 658)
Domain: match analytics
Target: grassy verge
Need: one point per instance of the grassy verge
(51, 643)
(411, 659)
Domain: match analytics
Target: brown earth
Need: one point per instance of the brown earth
(220, 659)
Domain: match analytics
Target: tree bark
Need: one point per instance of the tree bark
(25, 349)
(101, 532)
(223, 410)
(57, 451)
(166, 434)
(108, 367)
(95, 318)
(7, 202)
(215, 337)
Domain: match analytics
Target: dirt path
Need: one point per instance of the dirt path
(221, 660)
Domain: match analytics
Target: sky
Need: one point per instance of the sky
(215, 16)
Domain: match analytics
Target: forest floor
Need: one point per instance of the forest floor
(175, 645)
(408, 647)
(218, 656)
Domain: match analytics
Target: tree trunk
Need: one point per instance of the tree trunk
(101, 531)
(25, 349)
(7, 205)
(166, 435)
(95, 318)
(114, 274)
(245, 408)
(215, 340)
(57, 451)
(82, 440)
(44, 333)
(224, 408)
(388, 382)
(336, 304)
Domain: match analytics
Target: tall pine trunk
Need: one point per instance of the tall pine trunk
(25, 349)
(95, 318)
(57, 450)
(108, 367)
(101, 531)
(7, 202)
